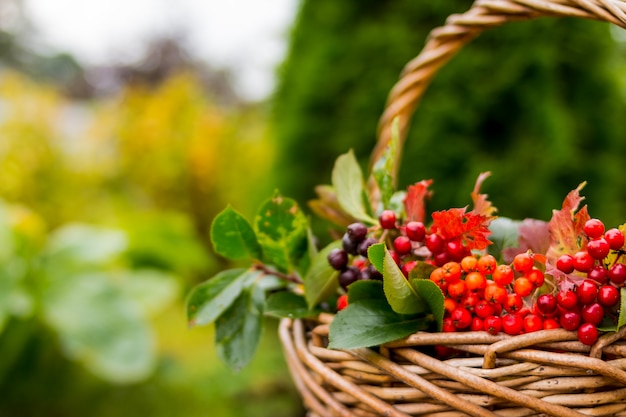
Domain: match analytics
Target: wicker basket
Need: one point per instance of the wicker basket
(543, 373)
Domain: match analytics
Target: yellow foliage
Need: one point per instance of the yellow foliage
(168, 148)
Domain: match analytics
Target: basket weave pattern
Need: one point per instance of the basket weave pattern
(542, 373)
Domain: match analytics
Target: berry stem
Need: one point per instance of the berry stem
(268, 271)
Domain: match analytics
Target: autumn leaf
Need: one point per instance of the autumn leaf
(566, 227)
(481, 204)
(414, 202)
(471, 228)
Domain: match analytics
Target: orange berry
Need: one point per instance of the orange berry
(486, 264)
(469, 263)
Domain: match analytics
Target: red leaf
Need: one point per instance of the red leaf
(566, 227)
(481, 204)
(414, 202)
(534, 235)
(471, 228)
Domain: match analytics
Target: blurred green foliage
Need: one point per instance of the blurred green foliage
(103, 229)
(537, 103)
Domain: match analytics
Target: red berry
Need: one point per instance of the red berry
(457, 289)
(587, 292)
(536, 277)
(593, 228)
(407, 267)
(455, 249)
(484, 309)
(448, 325)
(550, 323)
(617, 274)
(608, 295)
(492, 324)
(477, 324)
(599, 274)
(598, 248)
(513, 303)
(588, 334)
(615, 238)
(565, 263)
(434, 243)
(567, 299)
(461, 317)
(583, 261)
(503, 275)
(592, 313)
(523, 262)
(416, 231)
(451, 271)
(532, 323)
(402, 245)
(387, 219)
(469, 300)
(342, 302)
(569, 320)
(546, 303)
(512, 324)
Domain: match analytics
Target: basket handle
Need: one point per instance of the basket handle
(445, 41)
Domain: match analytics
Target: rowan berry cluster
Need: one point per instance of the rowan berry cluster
(482, 295)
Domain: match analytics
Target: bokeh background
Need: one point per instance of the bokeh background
(126, 126)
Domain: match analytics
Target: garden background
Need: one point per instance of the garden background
(110, 177)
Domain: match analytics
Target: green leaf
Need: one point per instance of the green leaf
(281, 230)
(400, 294)
(385, 165)
(238, 329)
(100, 327)
(233, 237)
(347, 179)
(320, 281)
(421, 270)
(207, 301)
(621, 321)
(376, 255)
(151, 289)
(504, 234)
(87, 245)
(286, 304)
(431, 293)
(369, 320)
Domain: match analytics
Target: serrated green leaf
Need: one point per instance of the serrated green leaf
(320, 281)
(281, 230)
(347, 179)
(233, 237)
(207, 301)
(376, 255)
(286, 304)
(400, 294)
(238, 329)
(369, 320)
(431, 293)
(386, 165)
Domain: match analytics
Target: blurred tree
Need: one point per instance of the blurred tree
(534, 102)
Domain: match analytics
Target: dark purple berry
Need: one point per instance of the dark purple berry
(348, 276)
(349, 245)
(364, 246)
(338, 259)
(357, 231)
